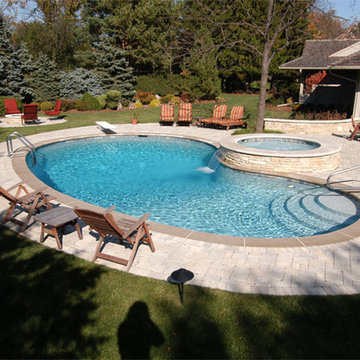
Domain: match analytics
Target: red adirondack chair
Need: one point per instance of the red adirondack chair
(11, 107)
(56, 110)
(30, 113)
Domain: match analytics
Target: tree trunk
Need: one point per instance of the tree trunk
(262, 95)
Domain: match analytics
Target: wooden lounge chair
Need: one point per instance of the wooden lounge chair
(11, 107)
(56, 110)
(167, 114)
(236, 119)
(30, 201)
(356, 129)
(30, 113)
(185, 114)
(219, 113)
(131, 231)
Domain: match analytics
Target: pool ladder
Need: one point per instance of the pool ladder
(330, 184)
(27, 145)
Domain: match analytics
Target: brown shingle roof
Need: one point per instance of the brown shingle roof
(316, 55)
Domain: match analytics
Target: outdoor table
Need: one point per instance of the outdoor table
(181, 276)
(57, 218)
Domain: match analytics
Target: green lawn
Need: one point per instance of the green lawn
(144, 115)
(54, 305)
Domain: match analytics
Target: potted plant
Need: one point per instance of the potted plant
(134, 119)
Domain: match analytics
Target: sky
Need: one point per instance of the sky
(349, 9)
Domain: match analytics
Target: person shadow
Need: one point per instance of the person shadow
(138, 333)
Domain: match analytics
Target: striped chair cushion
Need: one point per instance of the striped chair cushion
(185, 112)
(219, 111)
(167, 112)
(237, 112)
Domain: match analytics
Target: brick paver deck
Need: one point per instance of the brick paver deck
(312, 270)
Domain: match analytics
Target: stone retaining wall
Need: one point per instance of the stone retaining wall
(341, 127)
(271, 164)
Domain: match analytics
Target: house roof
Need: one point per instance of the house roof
(327, 54)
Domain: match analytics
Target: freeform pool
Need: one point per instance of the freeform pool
(157, 175)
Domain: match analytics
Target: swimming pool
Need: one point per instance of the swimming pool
(157, 175)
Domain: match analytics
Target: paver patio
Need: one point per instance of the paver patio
(313, 270)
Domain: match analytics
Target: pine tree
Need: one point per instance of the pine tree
(12, 77)
(75, 83)
(45, 79)
(113, 68)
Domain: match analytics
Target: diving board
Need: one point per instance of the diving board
(106, 127)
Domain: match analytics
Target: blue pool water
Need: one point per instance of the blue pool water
(283, 144)
(157, 175)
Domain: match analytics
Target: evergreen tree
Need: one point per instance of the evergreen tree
(12, 72)
(113, 68)
(45, 79)
(75, 83)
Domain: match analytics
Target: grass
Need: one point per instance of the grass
(78, 119)
(55, 305)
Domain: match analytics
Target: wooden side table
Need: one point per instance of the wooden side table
(55, 219)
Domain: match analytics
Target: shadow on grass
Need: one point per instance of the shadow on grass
(138, 333)
(301, 327)
(46, 302)
(194, 333)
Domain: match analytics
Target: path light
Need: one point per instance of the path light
(180, 277)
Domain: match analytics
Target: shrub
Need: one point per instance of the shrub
(175, 100)
(112, 99)
(167, 98)
(161, 85)
(125, 102)
(80, 105)
(138, 104)
(155, 103)
(67, 105)
(46, 105)
(145, 97)
(319, 112)
(102, 100)
(91, 102)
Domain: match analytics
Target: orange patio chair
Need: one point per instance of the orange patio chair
(236, 119)
(56, 110)
(11, 107)
(185, 114)
(167, 114)
(131, 231)
(30, 201)
(218, 114)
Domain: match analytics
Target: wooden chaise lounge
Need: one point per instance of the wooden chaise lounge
(236, 119)
(219, 113)
(167, 114)
(105, 224)
(31, 202)
(185, 114)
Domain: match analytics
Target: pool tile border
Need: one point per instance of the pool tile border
(338, 236)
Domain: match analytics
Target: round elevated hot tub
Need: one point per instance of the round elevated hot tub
(269, 153)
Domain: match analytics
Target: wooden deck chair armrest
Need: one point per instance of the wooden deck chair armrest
(34, 193)
(15, 186)
(136, 225)
(110, 209)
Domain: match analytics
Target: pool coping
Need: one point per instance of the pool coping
(233, 144)
(342, 235)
